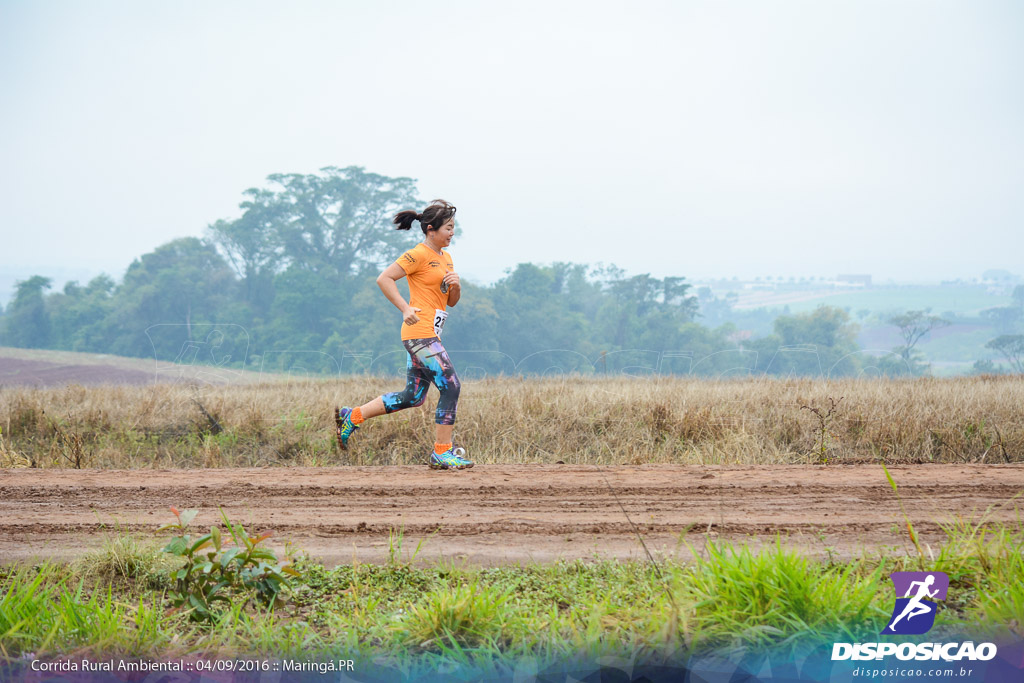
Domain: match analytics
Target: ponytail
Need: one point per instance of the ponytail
(435, 215)
(403, 220)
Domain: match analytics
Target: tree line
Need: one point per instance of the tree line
(290, 285)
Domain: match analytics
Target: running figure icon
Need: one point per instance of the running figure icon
(915, 607)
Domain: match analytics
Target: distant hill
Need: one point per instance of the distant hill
(35, 367)
(962, 299)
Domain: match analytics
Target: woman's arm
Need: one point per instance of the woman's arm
(387, 283)
(454, 289)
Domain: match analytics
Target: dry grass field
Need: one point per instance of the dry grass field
(574, 420)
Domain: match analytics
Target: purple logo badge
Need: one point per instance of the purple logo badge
(914, 612)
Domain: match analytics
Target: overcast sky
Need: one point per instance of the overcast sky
(685, 138)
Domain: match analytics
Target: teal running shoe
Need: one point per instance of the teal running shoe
(342, 418)
(451, 459)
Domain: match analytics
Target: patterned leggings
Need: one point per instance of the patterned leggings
(428, 362)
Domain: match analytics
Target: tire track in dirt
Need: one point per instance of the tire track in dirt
(499, 514)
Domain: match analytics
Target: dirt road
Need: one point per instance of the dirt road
(500, 514)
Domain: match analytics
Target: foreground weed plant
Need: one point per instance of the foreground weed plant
(122, 558)
(825, 418)
(986, 567)
(745, 598)
(468, 616)
(213, 573)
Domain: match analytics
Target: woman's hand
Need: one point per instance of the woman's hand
(409, 315)
(451, 279)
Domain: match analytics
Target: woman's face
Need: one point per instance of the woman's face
(446, 231)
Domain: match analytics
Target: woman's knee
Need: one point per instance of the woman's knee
(451, 390)
(410, 397)
(419, 397)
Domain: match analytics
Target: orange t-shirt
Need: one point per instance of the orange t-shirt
(425, 269)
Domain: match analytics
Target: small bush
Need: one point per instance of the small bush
(222, 574)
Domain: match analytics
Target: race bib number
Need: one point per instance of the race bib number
(439, 318)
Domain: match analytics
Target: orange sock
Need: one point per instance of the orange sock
(440, 448)
(357, 416)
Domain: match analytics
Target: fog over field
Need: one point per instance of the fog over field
(696, 139)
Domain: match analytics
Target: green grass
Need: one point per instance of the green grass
(123, 558)
(731, 599)
(746, 598)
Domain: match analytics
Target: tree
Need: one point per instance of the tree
(825, 326)
(532, 316)
(984, 367)
(643, 311)
(79, 315)
(715, 310)
(914, 325)
(249, 247)
(808, 344)
(304, 303)
(27, 322)
(1018, 296)
(1003, 318)
(1011, 346)
(182, 283)
(336, 223)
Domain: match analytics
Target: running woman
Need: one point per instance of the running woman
(433, 286)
